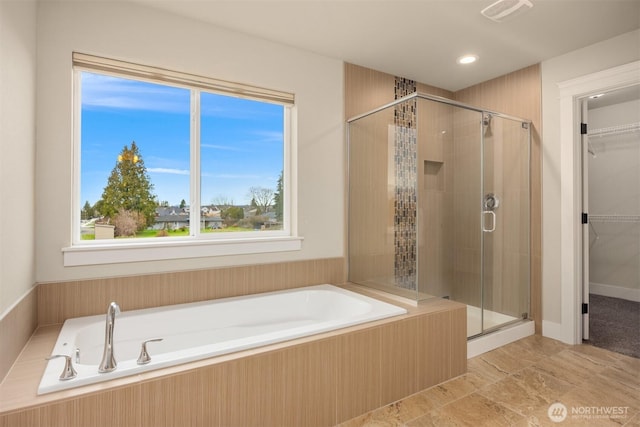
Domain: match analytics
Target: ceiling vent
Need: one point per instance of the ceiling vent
(503, 9)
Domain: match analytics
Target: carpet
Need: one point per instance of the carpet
(614, 324)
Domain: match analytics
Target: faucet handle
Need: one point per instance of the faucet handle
(144, 357)
(68, 372)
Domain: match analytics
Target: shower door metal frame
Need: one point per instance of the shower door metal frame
(526, 123)
(437, 99)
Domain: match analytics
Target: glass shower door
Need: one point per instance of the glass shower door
(504, 221)
(467, 235)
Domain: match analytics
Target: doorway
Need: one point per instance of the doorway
(611, 219)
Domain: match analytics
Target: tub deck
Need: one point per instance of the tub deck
(338, 364)
(205, 329)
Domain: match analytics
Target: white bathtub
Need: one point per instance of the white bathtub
(205, 329)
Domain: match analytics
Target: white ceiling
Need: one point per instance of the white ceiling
(421, 39)
(617, 96)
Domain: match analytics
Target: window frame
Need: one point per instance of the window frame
(197, 244)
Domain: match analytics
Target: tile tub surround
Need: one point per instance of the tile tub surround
(206, 329)
(320, 380)
(53, 303)
(515, 385)
(15, 329)
(65, 300)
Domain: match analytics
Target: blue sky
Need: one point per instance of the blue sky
(241, 140)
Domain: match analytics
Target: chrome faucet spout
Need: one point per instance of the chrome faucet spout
(108, 363)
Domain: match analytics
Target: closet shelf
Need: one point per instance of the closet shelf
(615, 130)
(614, 218)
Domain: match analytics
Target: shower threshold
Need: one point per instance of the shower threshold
(491, 320)
(499, 336)
(500, 329)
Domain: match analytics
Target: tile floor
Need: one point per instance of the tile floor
(515, 385)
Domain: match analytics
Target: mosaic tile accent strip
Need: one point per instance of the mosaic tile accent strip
(405, 203)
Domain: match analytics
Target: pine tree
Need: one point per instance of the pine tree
(278, 199)
(86, 213)
(129, 187)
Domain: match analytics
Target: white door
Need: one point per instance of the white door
(585, 219)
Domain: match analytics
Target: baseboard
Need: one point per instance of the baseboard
(614, 291)
(557, 331)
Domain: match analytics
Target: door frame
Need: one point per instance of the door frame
(572, 93)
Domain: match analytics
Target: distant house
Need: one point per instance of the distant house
(170, 218)
(271, 221)
(174, 217)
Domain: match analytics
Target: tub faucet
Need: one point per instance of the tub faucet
(108, 363)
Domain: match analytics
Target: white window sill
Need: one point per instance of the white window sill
(113, 253)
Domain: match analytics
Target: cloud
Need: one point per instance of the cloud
(234, 176)
(229, 107)
(100, 91)
(269, 136)
(222, 147)
(168, 171)
(171, 171)
(247, 141)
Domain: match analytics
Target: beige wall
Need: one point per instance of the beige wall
(148, 36)
(17, 150)
(597, 57)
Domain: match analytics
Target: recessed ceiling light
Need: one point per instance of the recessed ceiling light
(467, 59)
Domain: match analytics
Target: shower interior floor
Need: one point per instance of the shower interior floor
(491, 320)
(474, 319)
(477, 345)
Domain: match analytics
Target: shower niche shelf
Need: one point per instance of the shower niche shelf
(433, 175)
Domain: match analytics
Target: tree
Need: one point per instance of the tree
(222, 201)
(232, 215)
(254, 206)
(127, 222)
(129, 188)
(263, 197)
(87, 211)
(278, 198)
(98, 208)
(182, 204)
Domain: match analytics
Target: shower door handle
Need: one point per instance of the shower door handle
(493, 221)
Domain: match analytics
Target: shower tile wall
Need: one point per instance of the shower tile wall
(517, 93)
(466, 235)
(435, 200)
(405, 209)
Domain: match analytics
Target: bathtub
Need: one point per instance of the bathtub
(206, 329)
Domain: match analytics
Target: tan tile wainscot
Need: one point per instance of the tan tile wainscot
(319, 380)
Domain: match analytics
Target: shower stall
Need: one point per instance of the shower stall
(439, 206)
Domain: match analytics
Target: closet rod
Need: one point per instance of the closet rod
(615, 130)
(614, 218)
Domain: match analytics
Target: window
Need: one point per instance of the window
(167, 159)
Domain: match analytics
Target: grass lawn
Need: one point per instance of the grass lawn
(173, 233)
